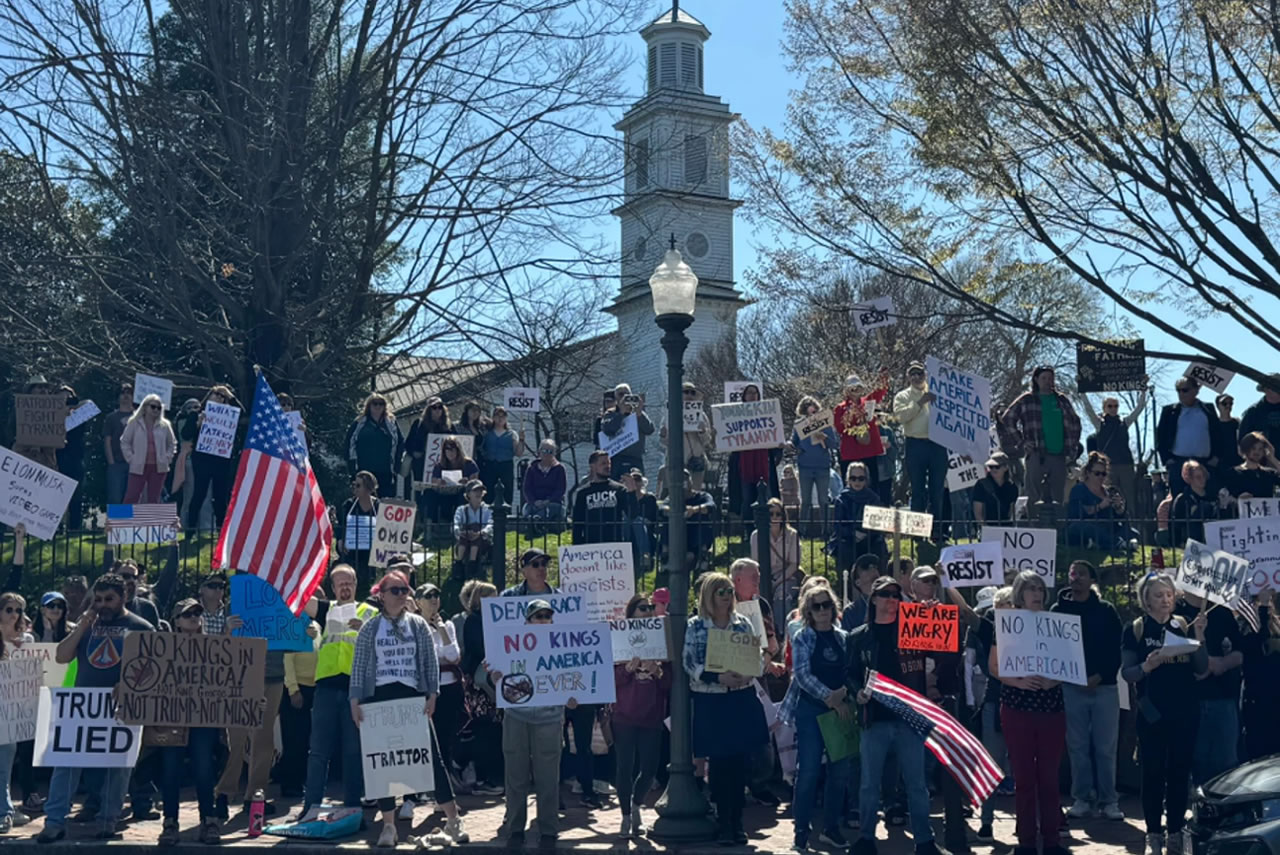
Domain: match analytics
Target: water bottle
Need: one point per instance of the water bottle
(257, 809)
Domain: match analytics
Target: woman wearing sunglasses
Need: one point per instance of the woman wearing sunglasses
(643, 687)
(12, 617)
(448, 715)
(850, 538)
(395, 657)
(148, 445)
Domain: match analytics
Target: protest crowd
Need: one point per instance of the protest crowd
(845, 699)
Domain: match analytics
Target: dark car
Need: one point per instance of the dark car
(1238, 812)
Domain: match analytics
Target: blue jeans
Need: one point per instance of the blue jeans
(1215, 750)
(333, 732)
(641, 540)
(961, 513)
(7, 753)
(202, 748)
(117, 481)
(65, 781)
(811, 480)
(927, 472)
(878, 741)
(809, 750)
(993, 741)
(1093, 728)
(548, 513)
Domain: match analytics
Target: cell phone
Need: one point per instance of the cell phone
(633, 400)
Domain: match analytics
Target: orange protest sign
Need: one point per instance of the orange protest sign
(934, 628)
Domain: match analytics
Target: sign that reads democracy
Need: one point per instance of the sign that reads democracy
(1040, 644)
(731, 650)
(1217, 576)
(972, 565)
(929, 627)
(500, 614)
(873, 314)
(394, 533)
(1257, 540)
(522, 399)
(218, 429)
(20, 684)
(603, 573)
(180, 680)
(265, 615)
(1209, 377)
(146, 384)
(547, 664)
(735, 389)
(1120, 365)
(32, 495)
(628, 436)
(959, 418)
(78, 727)
(395, 748)
(909, 523)
(41, 420)
(1026, 549)
(639, 638)
(467, 443)
(81, 414)
(747, 425)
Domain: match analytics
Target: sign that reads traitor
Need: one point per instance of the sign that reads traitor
(628, 436)
(874, 314)
(522, 399)
(265, 615)
(923, 627)
(694, 416)
(395, 748)
(1257, 540)
(639, 638)
(973, 565)
(731, 650)
(807, 427)
(959, 418)
(547, 664)
(1040, 644)
(734, 389)
(32, 495)
(1209, 377)
(41, 420)
(1121, 366)
(218, 429)
(146, 384)
(603, 573)
(78, 727)
(1217, 576)
(467, 443)
(1026, 549)
(394, 533)
(81, 414)
(747, 425)
(20, 684)
(909, 523)
(180, 680)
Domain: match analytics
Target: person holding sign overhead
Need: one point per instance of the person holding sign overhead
(148, 445)
(1041, 426)
(1112, 439)
(643, 688)
(209, 469)
(813, 461)
(614, 420)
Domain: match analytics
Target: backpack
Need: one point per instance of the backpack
(1138, 623)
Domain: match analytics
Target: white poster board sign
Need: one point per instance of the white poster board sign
(146, 384)
(910, 523)
(1040, 644)
(1257, 540)
(1026, 549)
(693, 416)
(628, 436)
(733, 389)
(972, 565)
(1217, 576)
(32, 494)
(1209, 377)
(639, 638)
(806, 428)
(873, 314)
(394, 532)
(81, 414)
(747, 425)
(467, 442)
(964, 471)
(522, 399)
(20, 684)
(960, 417)
(750, 609)
(78, 727)
(547, 664)
(54, 673)
(218, 430)
(1259, 506)
(395, 748)
(603, 573)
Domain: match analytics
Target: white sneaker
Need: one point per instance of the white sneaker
(406, 810)
(1080, 810)
(603, 788)
(1155, 845)
(637, 821)
(454, 831)
(1112, 811)
(387, 839)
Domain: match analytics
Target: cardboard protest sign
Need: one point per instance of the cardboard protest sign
(730, 650)
(973, 565)
(81, 414)
(546, 665)
(522, 399)
(359, 531)
(394, 533)
(639, 638)
(935, 628)
(145, 384)
(265, 615)
(733, 389)
(20, 684)
(628, 436)
(748, 425)
(77, 727)
(1217, 576)
(910, 523)
(218, 430)
(41, 420)
(750, 609)
(395, 748)
(1111, 369)
(603, 573)
(873, 314)
(501, 614)
(818, 422)
(694, 417)
(1209, 376)
(32, 494)
(150, 523)
(960, 417)
(467, 442)
(179, 680)
(1025, 549)
(53, 673)
(1256, 540)
(1040, 644)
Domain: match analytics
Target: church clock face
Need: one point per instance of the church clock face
(697, 244)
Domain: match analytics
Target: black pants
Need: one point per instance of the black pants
(210, 469)
(444, 790)
(448, 718)
(1261, 738)
(725, 777)
(493, 471)
(638, 750)
(583, 719)
(295, 732)
(1166, 767)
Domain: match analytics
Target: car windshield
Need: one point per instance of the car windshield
(1259, 778)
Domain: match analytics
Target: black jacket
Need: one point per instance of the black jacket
(599, 510)
(1100, 624)
(861, 654)
(1167, 429)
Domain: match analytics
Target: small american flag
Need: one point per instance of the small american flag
(1245, 609)
(165, 514)
(277, 525)
(955, 747)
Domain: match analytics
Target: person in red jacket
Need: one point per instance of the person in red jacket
(855, 422)
(643, 687)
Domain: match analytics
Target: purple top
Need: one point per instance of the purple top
(546, 486)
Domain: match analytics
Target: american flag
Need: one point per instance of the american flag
(277, 526)
(955, 747)
(1242, 607)
(163, 514)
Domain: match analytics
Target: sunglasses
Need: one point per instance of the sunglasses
(128, 575)
(153, 406)
(1099, 472)
(12, 610)
(215, 585)
(644, 607)
(723, 592)
(437, 406)
(397, 591)
(538, 562)
(994, 468)
(889, 595)
(58, 606)
(434, 595)
(857, 477)
(192, 614)
(821, 605)
(542, 616)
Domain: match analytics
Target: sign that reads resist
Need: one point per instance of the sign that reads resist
(218, 429)
(1026, 549)
(394, 534)
(747, 425)
(972, 565)
(180, 680)
(1215, 575)
(873, 314)
(1040, 644)
(395, 748)
(32, 494)
(78, 728)
(603, 573)
(639, 638)
(522, 399)
(1210, 377)
(806, 428)
(923, 627)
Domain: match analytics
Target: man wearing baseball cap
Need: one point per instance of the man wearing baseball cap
(533, 570)
(926, 459)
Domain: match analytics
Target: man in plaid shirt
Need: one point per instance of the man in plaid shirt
(211, 594)
(1042, 427)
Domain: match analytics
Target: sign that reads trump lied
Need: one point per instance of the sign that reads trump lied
(1040, 644)
(78, 727)
(747, 425)
(603, 573)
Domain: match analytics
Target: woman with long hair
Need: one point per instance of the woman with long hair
(447, 493)
(1095, 508)
(148, 445)
(448, 715)
(357, 524)
(813, 462)
(643, 689)
(51, 624)
(208, 468)
(500, 446)
(1259, 474)
(784, 552)
(374, 444)
(12, 619)
(434, 419)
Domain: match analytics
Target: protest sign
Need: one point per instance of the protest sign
(295, 422)
(501, 614)
(146, 384)
(1025, 549)
(639, 638)
(628, 436)
(395, 748)
(180, 680)
(1040, 644)
(1257, 540)
(1121, 366)
(1259, 506)
(1217, 576)
(959, 417)
(546, 665)
(20, 684)
(53, 673)
(359, 531)
(1209, 377)
(265, 615)
(77, 727)
(603, 573)
(41, 420)
(32, 495)
(694, 416)
(805, 428)
(730, 650)
(923, 627)
(748, 425)
(733, 389)
(394, 533)
(466, 442)
(750, 609)
(873, 314)
(910, 523)
(81, 414)
(218, 430)
(972, 565)
(522, 399)
(963, 471)
(150, 523)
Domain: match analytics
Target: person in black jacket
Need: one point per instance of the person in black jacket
(1093, 710)
(1262, 680)
(601, 505)
(1195, 506)
(1264, 414)
(1186, 431)
(995, 494)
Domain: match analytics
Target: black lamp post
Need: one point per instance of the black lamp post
(682, 810)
